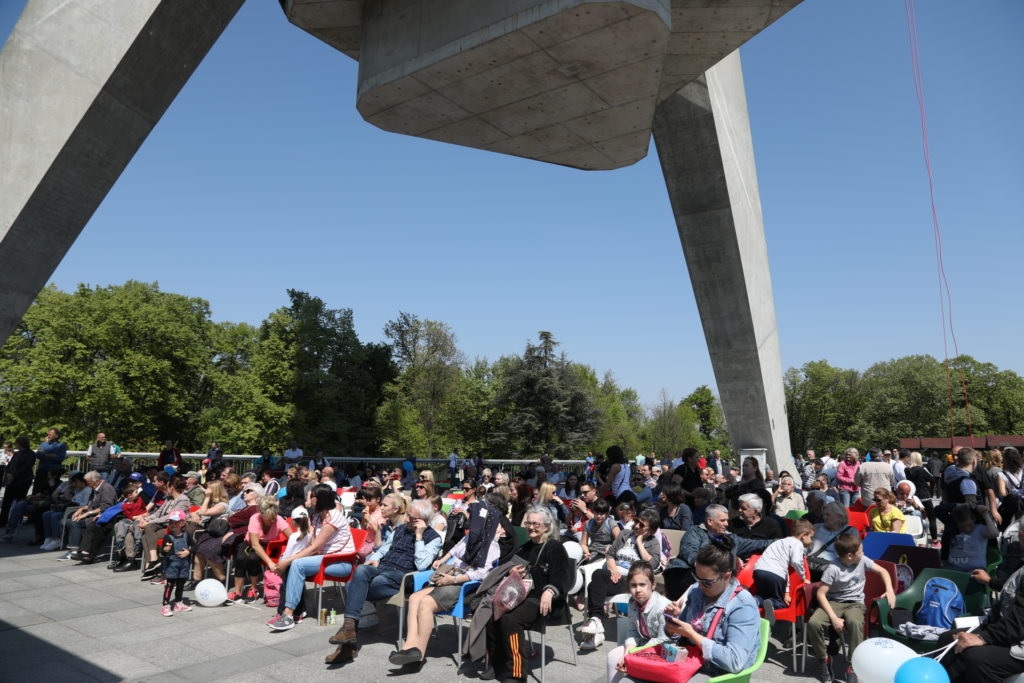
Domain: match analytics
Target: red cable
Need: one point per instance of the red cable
(945, 298)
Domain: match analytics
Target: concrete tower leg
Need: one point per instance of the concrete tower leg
(702, 133)
(81, 86)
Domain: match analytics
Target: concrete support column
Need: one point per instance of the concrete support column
(81, 86)
(702, 133)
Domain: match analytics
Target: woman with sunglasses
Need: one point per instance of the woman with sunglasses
(423, 489)
(631, 545)
(717, 615)
(884, 514)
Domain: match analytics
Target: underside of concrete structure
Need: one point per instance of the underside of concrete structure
(572, 82)
(580, 83)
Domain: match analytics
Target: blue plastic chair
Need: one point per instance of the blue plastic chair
(458, 613)
(877, 542)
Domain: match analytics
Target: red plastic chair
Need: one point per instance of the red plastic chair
(358, 536)
(746, 575)
(874, 588)
(794, 613)
(858, 505)
(860, 522)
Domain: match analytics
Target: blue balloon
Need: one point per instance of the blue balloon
(921, 670)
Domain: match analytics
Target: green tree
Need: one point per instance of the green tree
(823, 403)
(671, 426)
(710, 418)
(430, 363)
(548, 408)
(338, 382)
(128, 359)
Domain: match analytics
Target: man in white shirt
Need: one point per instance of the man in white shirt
(293, 455)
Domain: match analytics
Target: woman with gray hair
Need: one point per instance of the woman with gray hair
(552, 573)
(752, 523)
(823, 551)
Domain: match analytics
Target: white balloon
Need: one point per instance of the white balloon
(211, 593)
(876, 660)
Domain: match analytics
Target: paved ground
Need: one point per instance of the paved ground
(62, 622)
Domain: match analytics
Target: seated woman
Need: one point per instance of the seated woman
(552, 574)
(545, 497)
(154, 524)
(717, 614)
(639, 543)
(441, 596)
(331, 535)
(884, 514)
(209, 539)
(264, 527)
(823, 550)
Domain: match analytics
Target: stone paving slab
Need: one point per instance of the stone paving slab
(63, 622)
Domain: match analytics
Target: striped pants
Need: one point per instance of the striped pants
(506, 640)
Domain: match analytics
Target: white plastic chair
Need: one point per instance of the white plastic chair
(914, 526)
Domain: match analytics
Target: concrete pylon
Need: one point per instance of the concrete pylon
(81, 86)
(702, 134)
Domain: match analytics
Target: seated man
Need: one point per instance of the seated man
(993, 652)
(412, 547)
(85, 517)
(679, 575)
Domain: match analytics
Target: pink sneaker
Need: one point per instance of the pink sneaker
(167, 611)
(182, 607)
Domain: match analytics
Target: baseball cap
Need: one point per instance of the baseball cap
(299, 513)
(176, 516)
(137, 476)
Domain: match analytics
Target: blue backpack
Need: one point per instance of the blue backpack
(941, 604)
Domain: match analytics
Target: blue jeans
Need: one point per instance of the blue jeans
(370, 583)
(303, 568)
(846, 497)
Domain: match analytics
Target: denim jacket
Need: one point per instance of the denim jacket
(733, 646)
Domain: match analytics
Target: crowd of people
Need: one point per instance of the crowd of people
(174, 526)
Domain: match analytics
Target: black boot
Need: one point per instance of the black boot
(127, 566)
(116, 559)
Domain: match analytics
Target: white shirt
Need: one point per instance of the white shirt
(293, 455)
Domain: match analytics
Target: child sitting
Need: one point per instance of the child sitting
(969, 548)
(841, 597)
(646, 618)
(625, 513)
(176, 548)
(598, 533)
(772, 570)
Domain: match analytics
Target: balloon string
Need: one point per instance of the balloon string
(943, 650)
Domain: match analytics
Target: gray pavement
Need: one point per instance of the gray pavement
(62, 622)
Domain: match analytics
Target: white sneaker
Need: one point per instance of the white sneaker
(593, 627)
(51, 544)
(1017, 651)
(592, 642)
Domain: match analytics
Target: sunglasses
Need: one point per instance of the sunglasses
(877, 500)
(248, 491)
(707, 583)
(420, 486)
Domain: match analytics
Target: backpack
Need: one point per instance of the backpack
(941, 604)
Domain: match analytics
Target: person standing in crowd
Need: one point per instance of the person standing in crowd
(17, 480)
(51, 454)
(100, 455)
(846, 477)
(872, 475)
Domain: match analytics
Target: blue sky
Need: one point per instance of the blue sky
(263, 177)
